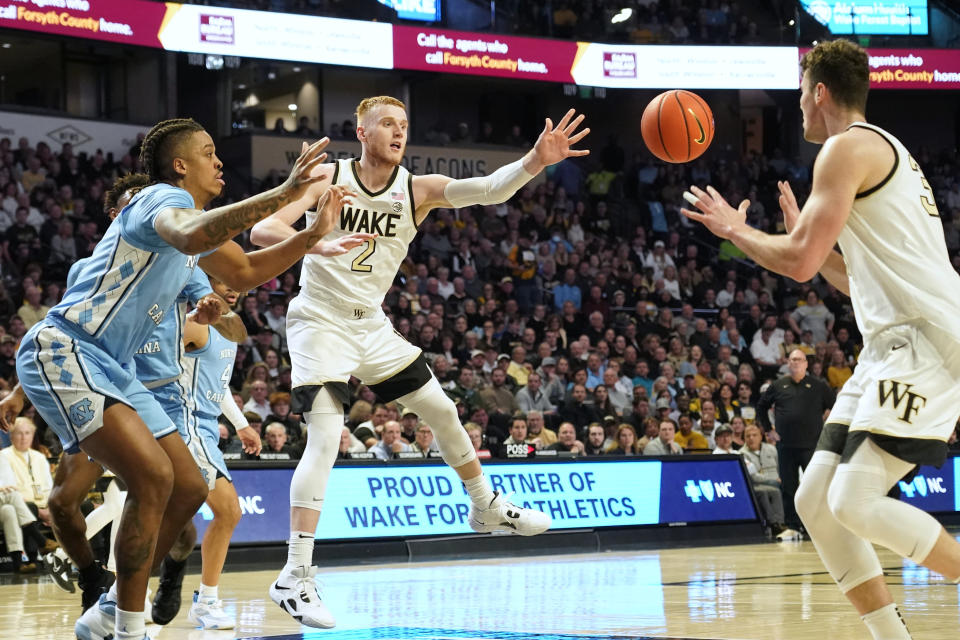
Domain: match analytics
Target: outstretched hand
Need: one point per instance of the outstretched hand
(714, 212)
(209, 309)
(302, 174)
(343, 244)
(554, 143)
(328, 211)
(789, 206)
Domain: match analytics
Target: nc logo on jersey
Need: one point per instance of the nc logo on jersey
(82, 412)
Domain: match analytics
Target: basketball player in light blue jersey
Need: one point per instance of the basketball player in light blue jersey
(76, 366)
(209, 364)
(158, 368)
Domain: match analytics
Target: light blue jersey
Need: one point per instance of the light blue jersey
(159, 357)
(122, 293)
(209, 370)
(79, 359)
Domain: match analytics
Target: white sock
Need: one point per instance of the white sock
(886, 624)
(112, 595)
(207, 593)
(480, 492)
(300, 549)
(129, 624)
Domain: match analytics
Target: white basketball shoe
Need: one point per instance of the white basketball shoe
(503, 515)
(295, 590)
(208, 613)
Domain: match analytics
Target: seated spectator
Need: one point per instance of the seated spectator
(409, 421)
(280, 413)
(839, 370)
(424, 442)
(532, 398)
(537, 434)
(475, 432)
(567, 440)
(19, 523)
(390, 442)
(369, 432)
(626, 442)
(651, 431)
(497, 399)
(664, 445)
(724, 438)
(30, 467)
(594, 446)
(258, 402)
(349, 444)
(576, 410)
(32, 311)
(737, 425)
(762, 465)
(275, 444)
(515, 446)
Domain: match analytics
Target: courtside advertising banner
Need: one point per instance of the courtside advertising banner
(135, 22)
(700, 67)
(914, 68)
(401, 500)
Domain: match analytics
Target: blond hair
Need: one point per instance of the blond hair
(369, 104)
(24, 422)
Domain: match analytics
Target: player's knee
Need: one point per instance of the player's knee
(62, 505)
(152, 481)
(191, 490)
(849, 507)
(232, 513)
(808, 503)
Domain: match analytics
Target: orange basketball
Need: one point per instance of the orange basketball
(677, 126)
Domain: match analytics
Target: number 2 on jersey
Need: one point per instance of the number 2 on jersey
(927, 199)
(359, 263)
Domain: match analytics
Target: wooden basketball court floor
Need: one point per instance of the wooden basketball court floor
(758, 592)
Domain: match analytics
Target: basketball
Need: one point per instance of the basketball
(677, 126)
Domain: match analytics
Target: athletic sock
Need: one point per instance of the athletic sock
(300, 549)
(129, 625)
(112, 594)
(886, 623)
(480, 492)
(207, 593)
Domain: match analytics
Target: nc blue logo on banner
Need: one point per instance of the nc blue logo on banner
(932, 489)
(717, 490)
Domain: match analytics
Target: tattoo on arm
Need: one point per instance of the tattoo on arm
(224, 223)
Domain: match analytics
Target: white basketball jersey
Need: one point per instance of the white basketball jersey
(363, 275)
(895, 253)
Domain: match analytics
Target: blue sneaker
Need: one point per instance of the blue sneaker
(97, 622)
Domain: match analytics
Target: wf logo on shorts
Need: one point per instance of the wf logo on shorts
(922, 486)
(697, 489)
(900, 396)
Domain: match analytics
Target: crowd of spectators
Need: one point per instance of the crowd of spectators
(583, 317)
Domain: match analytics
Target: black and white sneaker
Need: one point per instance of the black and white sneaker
(60, 569)
(295, 590)
(166, 604)
(503, 515)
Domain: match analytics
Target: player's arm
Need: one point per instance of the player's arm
(553, 145)
(230, 325)
(244, 271)
(192, 231)
(249, 439)
(834, 270)
(837, 175)
(279, 226)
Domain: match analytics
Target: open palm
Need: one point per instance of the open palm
(554, 143)
(714, 212)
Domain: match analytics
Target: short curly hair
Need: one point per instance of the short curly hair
(843, 68)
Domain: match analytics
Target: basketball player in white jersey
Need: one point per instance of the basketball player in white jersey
(337, 329)
(897, 411)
